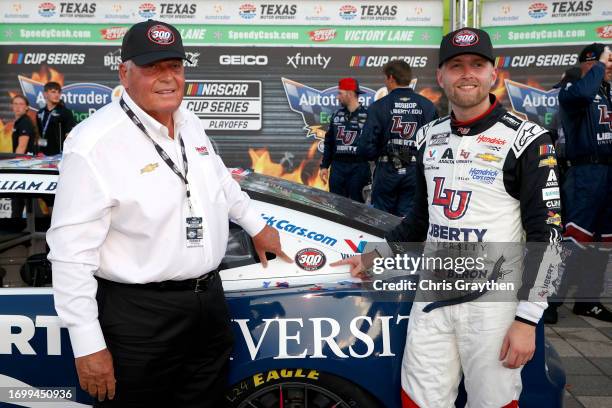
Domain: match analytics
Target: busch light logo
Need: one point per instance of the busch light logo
(465, 38)
(348, 12)
(46, 9)
(146, 10)
(317, 107)
(160, 34)
(535, 104)
(538, 10)
(247, 11)
(82, 98)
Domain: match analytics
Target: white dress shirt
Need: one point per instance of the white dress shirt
(120, 212)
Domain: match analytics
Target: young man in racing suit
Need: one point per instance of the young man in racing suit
(483, 175)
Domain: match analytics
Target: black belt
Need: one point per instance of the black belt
(590, 160)
(198, 285)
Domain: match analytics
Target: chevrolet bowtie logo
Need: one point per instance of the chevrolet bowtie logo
(149, 168)
(550, 161)
(488, 157)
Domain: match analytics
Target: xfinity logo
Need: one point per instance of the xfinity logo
(249, 60)
(307, 60)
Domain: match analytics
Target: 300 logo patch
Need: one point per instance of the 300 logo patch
(310, 259)
(160, 34)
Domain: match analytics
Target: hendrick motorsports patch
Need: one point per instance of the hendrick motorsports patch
(310, 259)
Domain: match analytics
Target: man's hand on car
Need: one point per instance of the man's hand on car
(359, 264)
(268, 240)
(96, 374)
(518, 346)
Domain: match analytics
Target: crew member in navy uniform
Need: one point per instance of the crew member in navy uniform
(585, 110)
(388, 137)
(350, 173)
(54, 121)
(140, 226)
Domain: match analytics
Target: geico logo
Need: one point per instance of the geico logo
(18, 331)
(324, 332)
(243, 60)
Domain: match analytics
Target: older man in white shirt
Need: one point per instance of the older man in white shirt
(139, 228)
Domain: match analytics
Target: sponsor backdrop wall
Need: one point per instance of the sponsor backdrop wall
(264, 73)
(535, 42)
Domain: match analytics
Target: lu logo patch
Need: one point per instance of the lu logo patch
(203, 150)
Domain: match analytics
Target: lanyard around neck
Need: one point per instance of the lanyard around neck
(162, 153)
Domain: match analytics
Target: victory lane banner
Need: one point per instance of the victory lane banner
(221, 35)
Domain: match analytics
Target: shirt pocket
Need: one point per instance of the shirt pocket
(208, 181)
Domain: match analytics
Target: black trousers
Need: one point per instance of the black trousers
(169, 348)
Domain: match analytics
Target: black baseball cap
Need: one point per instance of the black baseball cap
(150, 41)
(591, 52)
(466, 40)
(571, 75)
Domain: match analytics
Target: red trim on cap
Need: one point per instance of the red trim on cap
(477, 118)
(511, 404)
(407, 402)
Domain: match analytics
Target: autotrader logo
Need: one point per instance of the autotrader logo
(46, 9)
(538, 10)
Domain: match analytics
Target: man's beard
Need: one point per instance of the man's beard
(464, 100)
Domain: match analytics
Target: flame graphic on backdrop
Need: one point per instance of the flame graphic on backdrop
(431, 94)
(500, 90)
(44, 75)
(6, 137)
(306, 173)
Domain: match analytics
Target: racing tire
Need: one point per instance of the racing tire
(298, 388)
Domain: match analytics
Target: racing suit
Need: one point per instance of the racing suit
(350, 172)
(492, 179)
(388, 137)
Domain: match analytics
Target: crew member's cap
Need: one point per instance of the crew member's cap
(150, 41)
(466, 40)
(349, 84)
(591, 52)
(571, 75)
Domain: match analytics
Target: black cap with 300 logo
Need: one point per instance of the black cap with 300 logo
(151, 41)
(466, 40)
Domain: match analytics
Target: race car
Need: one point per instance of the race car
(306, 334)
